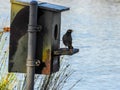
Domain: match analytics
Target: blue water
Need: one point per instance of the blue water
(96, 25)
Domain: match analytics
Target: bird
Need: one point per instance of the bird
(67, 39)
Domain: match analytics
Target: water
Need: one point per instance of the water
(96, 25)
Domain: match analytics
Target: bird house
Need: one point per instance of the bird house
(48, 37)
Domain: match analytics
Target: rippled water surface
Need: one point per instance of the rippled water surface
(96, 25)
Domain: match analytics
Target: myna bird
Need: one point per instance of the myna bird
(67, 39)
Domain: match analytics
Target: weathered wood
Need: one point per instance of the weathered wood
(47, 39)
(65, 51)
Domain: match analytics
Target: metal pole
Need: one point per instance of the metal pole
(31, 45)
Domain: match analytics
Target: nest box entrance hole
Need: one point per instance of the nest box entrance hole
(56, 32)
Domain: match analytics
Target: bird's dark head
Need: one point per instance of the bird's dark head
(69, 31)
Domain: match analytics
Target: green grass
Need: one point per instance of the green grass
(9, 81)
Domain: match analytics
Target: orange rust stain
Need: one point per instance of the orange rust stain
(6, 29)
(46, 70)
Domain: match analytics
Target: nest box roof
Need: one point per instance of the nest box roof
(52, 7)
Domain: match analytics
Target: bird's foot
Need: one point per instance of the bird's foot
(71, 50)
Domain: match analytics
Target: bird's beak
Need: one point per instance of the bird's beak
(71, 30)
